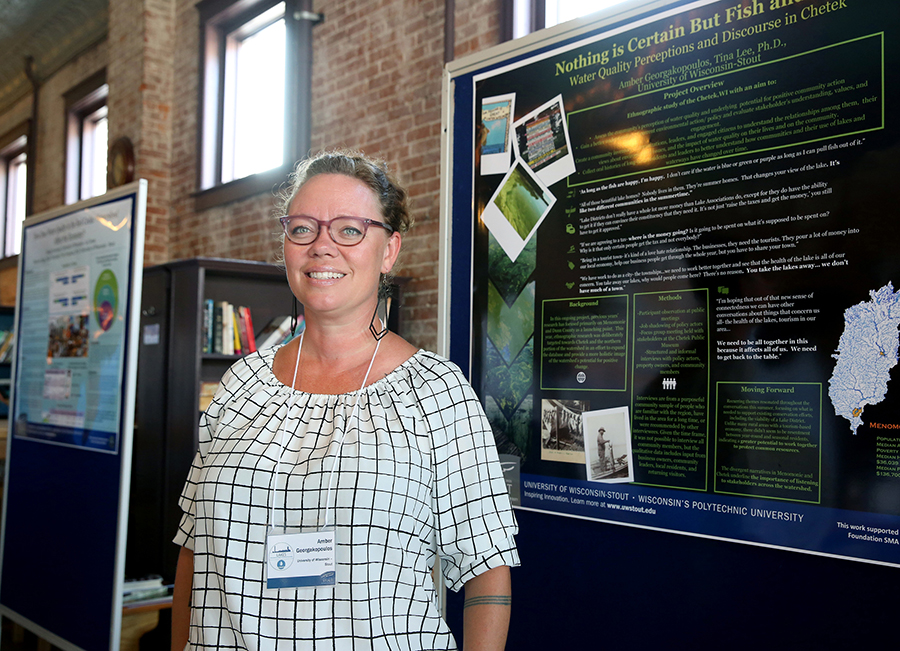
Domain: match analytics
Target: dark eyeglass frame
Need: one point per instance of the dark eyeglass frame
(365, 223)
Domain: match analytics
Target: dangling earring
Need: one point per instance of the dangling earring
(378, 334)
(294, 312)
(382, 297)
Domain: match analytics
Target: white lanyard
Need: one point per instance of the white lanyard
(296, 557)
(334, 466)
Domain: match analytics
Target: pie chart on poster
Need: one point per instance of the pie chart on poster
(106, 299)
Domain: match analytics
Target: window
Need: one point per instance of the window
(94, 135)
(13, 184)
(255, 94)
(531, 15)
(253, 140)
(86, 139)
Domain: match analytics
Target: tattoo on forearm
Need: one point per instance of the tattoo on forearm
(488, 600)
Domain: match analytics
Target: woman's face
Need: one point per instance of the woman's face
(334, 280)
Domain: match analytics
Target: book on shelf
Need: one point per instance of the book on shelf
(247, 321)
(228, 329)
(218, 327)
(240, 326)
(160, 596)
(151, 587)
(209, 310)
(7, 338)
(275, 332)
(151, 581)
(239, 342)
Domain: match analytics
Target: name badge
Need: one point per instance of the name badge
(299, 559)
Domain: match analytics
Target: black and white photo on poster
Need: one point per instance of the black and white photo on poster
(607, 445)
(561, 430)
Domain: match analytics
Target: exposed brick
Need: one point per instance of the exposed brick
(376, 87)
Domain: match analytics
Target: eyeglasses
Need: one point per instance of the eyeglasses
(346, 231)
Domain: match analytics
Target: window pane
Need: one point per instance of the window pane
(95, 131)
(559, 11)
(15, 204)
(521, 18)
(258, 101)
(98, 162)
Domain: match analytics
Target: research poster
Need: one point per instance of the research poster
(75, 283)
(685, 281)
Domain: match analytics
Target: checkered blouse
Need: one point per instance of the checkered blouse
(417, 476)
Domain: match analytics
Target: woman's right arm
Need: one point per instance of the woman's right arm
(181, 599)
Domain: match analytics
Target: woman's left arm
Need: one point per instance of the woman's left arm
(486, 610)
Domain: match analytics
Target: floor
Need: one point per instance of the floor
(15, 638)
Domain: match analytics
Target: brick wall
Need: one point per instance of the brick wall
(141, 76)
(477, 26)
(49, 167)
(376, 86)
(15, 115)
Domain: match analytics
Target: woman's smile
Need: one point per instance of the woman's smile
(325, 275)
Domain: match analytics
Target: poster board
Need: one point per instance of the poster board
(72, 409)
(714, 267)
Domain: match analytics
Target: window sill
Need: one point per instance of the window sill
(269, 181)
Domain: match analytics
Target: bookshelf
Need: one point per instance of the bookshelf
(171, 369)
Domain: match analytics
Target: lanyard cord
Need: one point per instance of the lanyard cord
(337, 456)
(291, 404)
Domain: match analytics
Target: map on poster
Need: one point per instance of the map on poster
(684, 314)
(866, 353)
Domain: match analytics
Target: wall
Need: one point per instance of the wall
(49, 168)
(376, 87)
(18, 113)
(140, 74)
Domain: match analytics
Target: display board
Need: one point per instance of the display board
(671, 278)
(72, 409)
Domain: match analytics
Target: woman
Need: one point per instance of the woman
(334, 470)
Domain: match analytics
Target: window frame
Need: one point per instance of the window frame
(534, 17)
(82, 102)
(218, 19)
(13, 146)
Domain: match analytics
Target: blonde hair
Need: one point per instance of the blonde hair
(392, 197)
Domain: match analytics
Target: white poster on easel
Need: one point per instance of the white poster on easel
(71, 417)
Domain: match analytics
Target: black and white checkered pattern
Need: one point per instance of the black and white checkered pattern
(417, 477)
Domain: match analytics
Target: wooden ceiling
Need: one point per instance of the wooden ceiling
(52, 32)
